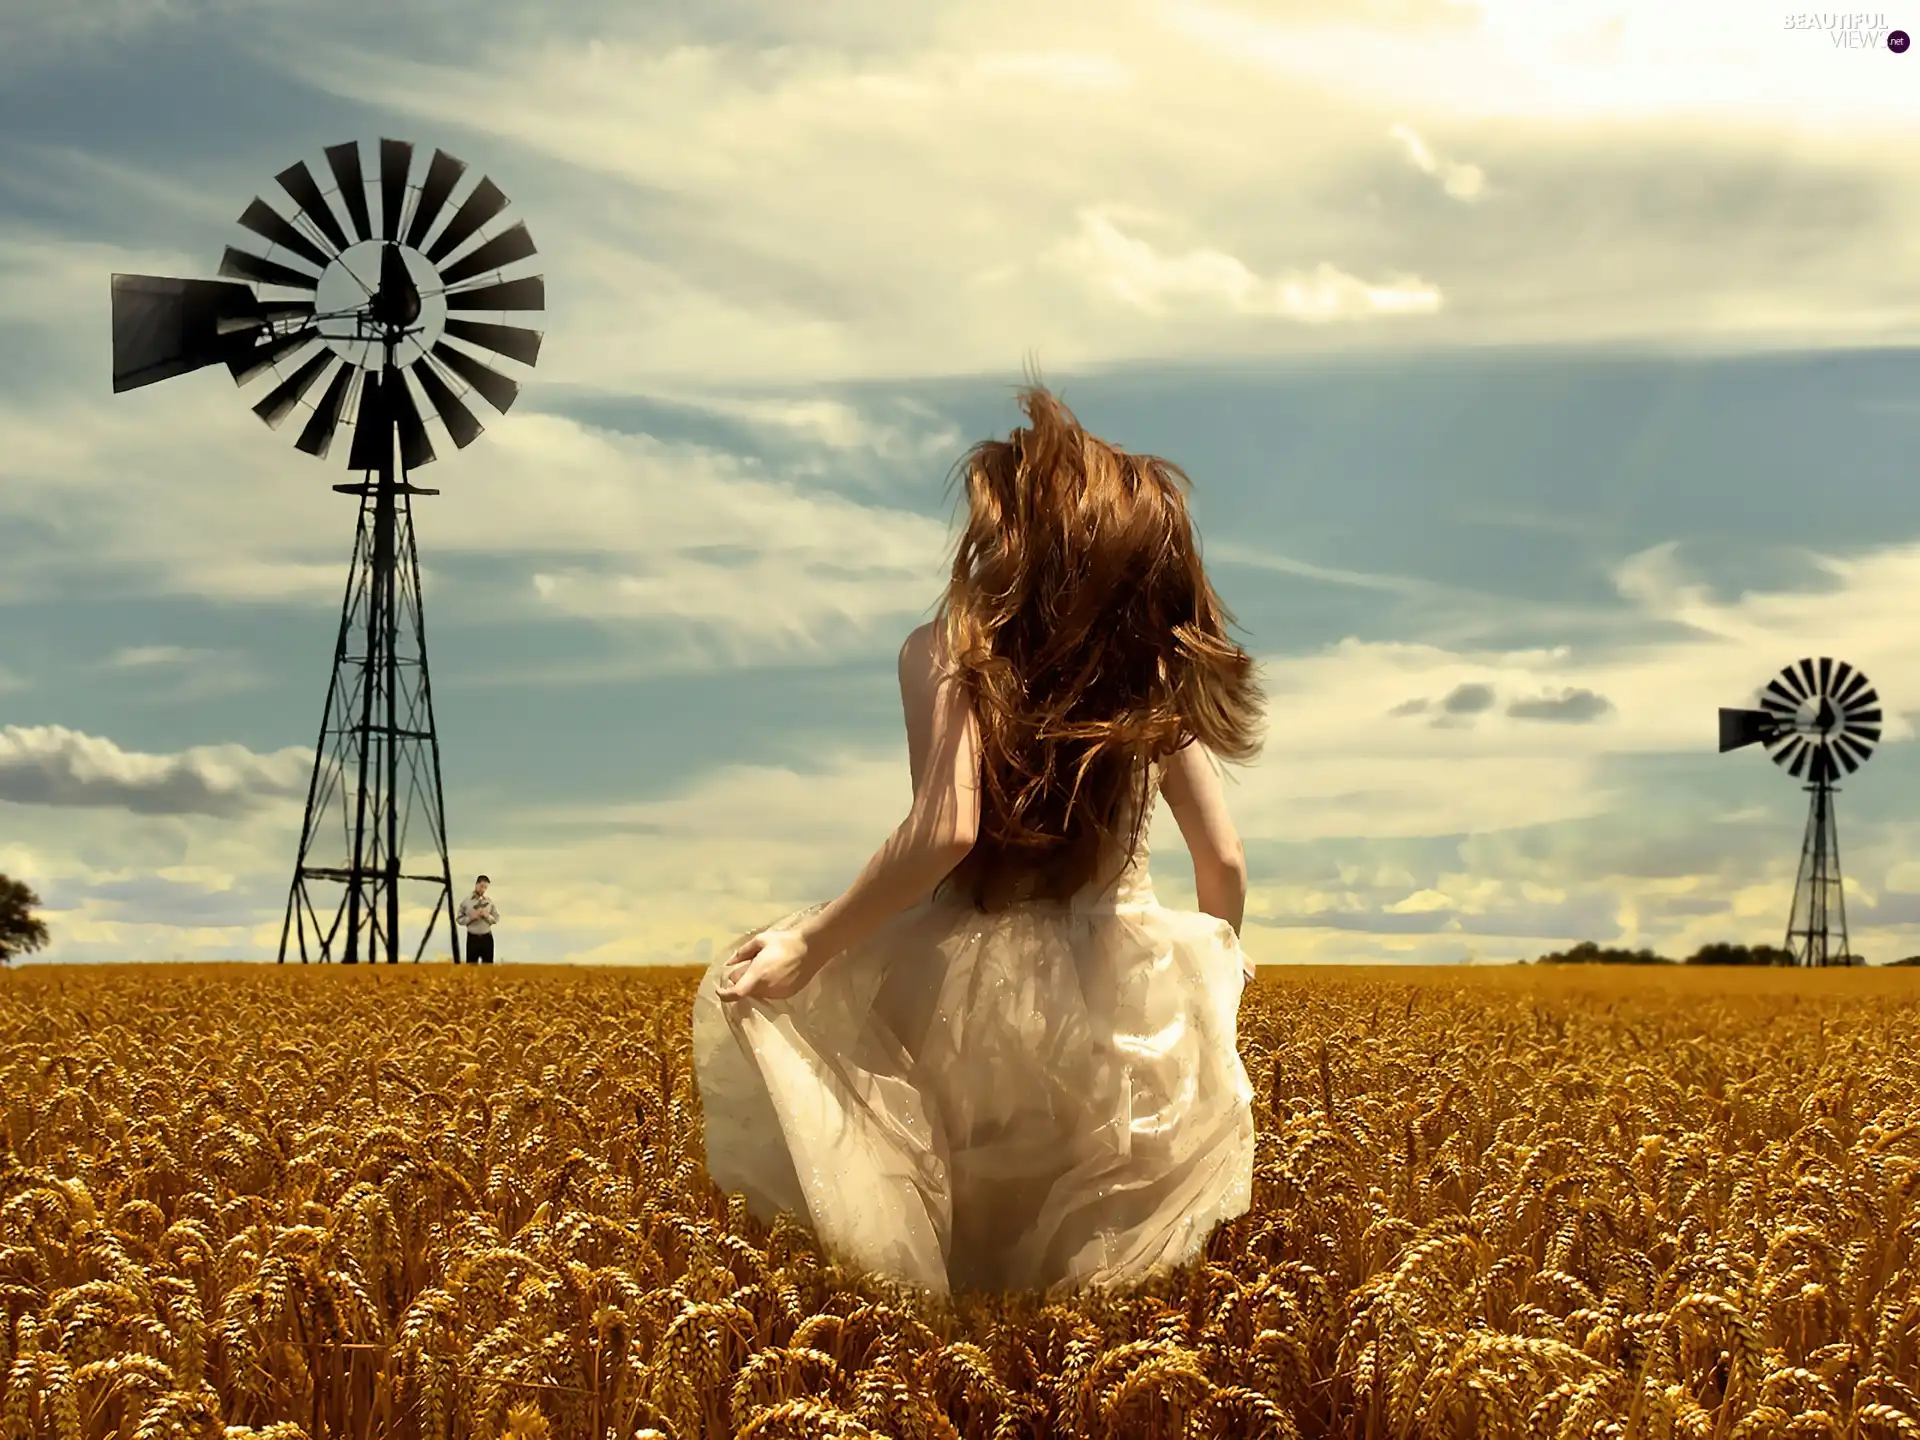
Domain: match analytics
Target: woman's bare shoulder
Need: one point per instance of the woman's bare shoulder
(922, 649)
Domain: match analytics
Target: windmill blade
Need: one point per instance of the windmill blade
(1853, 687)
(442, 172)
(279, 401)
(164, 327)
(301, 188)
(1846, 758)
(1787, 683)
(482, 205)
(1823, 770)
(508, 340)
(1869, 733)
(1807, 677)
(344, 161)
(497, 389)
(528, 294)
(239, 265)
(511, 244)
(247, 365)
(1856, 751)
(317, 437)
(1777, 696)
(1826, 675)
(1799, 750)
(372, 426)
(396, 159)
(415, 448)
(1864, 717)
(462, 428)
(270, 224)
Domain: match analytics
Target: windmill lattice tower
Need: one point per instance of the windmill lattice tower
(1816, 719)
(376, 316)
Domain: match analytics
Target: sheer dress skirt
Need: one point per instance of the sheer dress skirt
(1048, 1097)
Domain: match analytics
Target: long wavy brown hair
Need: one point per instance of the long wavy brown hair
(1090, 642)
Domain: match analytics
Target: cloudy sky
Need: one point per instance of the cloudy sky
(1545, 374)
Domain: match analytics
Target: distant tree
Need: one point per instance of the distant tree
(1720, 953)
(21, 932)
(1910, 960)
(1588, 953)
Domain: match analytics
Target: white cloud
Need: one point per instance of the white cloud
(1131, 270)
(52, 765)
(1461, 181)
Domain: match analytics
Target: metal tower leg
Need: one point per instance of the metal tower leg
(300, 910)
(414, 601)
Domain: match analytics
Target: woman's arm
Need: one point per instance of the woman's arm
(943, 742)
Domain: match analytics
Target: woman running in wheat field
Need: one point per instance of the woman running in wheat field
(997, 1062)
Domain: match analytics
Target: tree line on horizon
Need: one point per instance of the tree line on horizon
(1718, 953)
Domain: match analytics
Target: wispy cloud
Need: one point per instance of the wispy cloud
(670, 534)
(146, 657)
(1461, 181)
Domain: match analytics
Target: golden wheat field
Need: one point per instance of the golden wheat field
(264, 1201)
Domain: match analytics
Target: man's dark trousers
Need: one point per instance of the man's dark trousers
(480, 949)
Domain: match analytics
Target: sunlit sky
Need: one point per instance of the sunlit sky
(1544, 371)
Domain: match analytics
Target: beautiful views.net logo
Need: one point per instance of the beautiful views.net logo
(1852, 31)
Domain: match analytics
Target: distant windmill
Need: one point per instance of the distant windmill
(1816, 718)
(366, 312)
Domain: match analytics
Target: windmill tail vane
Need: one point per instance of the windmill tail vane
(1817, 720)
(381, 305)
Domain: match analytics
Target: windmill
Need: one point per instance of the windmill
(1816, 719)
(367, 312)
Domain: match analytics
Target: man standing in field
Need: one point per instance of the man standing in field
(479, 915)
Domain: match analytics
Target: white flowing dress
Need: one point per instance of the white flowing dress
(1044, 1098)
